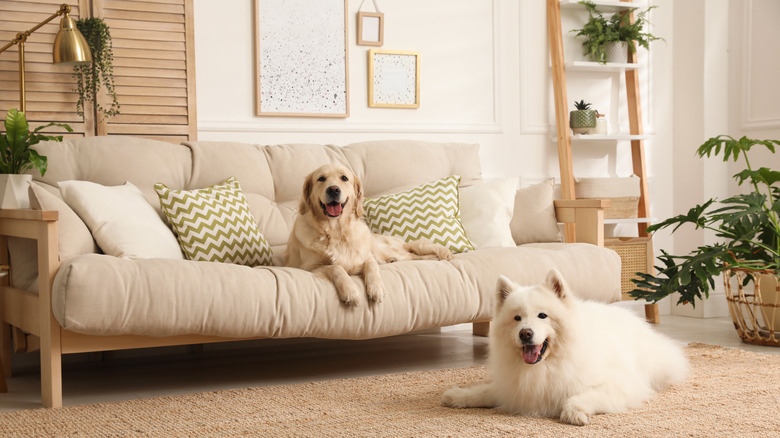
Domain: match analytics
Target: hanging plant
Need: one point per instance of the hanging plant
(90, 76)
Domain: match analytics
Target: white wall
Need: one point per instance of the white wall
(485, 79)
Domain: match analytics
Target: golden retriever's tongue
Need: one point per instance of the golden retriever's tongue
(531, 353)
(333, 209)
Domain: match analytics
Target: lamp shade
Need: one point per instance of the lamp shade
(70, 47)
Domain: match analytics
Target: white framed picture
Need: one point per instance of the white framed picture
(393, 79)
(301, 58)
(370, 28)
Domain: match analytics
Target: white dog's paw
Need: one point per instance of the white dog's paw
(375, 292)
(573, 415)
(455, 397)
(442, 253)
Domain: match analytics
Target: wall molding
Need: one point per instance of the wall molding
(351, 125)
(251, 125)
(527, 126)
(750, 121)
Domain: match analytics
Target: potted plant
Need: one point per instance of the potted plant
(748, 228)
(17, 157)
(610, 39)
(582, 119)
(100, 72)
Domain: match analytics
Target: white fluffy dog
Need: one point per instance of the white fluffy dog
(554, 355)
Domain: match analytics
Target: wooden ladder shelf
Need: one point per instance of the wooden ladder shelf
(563, 134)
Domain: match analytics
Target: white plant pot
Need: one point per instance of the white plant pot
(617, 51)
(13, 191)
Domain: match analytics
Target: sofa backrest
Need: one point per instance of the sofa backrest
(271, 176)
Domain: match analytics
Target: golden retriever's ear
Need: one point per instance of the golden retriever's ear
(358, 197)
(303, 207)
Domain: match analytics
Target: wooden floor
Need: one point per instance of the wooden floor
(180, 370)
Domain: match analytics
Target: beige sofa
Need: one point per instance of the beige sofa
(88, 301)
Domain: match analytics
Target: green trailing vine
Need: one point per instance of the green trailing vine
(90, 76)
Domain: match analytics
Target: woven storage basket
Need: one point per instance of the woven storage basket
(636, 255)
(756, 315)
(623, 192)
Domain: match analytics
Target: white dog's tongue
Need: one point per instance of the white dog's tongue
(531, 353)
(333, 209)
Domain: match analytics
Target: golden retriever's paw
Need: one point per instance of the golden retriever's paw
(443, 253)
(375, 292)
(573, 415)
(350, 297)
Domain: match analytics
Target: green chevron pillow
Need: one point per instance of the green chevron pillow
(215, 224)
(429, 211)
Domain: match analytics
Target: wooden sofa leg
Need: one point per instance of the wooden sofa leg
(480, 328)
(51, 369)
(5, 348)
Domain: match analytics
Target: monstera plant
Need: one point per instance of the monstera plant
(747, 226)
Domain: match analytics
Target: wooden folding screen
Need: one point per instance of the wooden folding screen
(154, 67)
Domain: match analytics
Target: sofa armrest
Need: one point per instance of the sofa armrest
(34, 311)
(585, 216)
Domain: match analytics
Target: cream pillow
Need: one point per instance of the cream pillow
(486, 210)
(534, 216)
(74, 236)
(122, 222)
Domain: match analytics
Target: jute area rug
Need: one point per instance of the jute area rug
(729, 393)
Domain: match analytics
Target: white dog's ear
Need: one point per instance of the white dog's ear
(556, 283)
(358, 208)
(504, 287)
(308, 183)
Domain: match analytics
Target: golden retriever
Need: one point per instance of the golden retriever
(330, 237)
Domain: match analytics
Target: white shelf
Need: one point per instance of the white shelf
(604, 5)
(635, 220)
(616, 67)
(605, 137)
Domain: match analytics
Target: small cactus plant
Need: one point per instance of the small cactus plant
(581, 105)
(582, 119)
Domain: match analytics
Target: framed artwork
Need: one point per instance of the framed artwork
(301, 58)
(393, 79)
(370, 28)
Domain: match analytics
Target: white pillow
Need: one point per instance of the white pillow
(486, 209)
(122, 222)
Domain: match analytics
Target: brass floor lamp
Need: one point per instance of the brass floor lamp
(70, 47)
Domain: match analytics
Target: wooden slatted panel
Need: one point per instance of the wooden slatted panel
(49, 87)
(154, 68)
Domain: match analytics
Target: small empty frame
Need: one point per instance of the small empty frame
(393, 79)
(370, 28)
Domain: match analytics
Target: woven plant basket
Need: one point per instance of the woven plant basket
(756, 315)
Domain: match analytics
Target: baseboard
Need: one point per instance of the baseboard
(712, 307)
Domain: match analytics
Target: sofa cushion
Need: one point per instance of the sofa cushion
(389, 166)
(98, 294)
(115, 159)
(534, 219)
(73, 235)
(122, 222)
(486, 210)
(430, 211)
(214, 224)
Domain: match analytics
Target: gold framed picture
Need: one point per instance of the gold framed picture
(393, 79)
